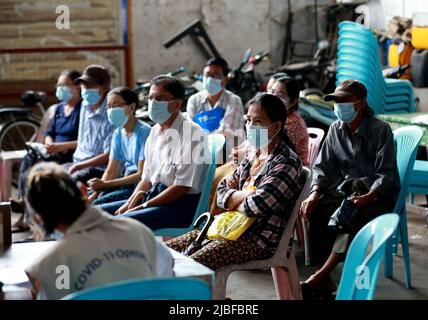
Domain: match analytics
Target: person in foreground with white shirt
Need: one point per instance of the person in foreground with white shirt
(94, 248)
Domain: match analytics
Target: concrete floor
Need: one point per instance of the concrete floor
(258, 285)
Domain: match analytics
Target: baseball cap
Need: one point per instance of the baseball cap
(94, 73)
(346, 89)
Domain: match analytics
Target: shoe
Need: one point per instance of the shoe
(20, 226)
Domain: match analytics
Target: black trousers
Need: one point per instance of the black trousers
(321, 238)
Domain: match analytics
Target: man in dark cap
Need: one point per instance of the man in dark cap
(357, 161)
(95, 131)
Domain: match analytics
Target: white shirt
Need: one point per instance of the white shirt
(177, 156)
(233, 118)
(98, 249)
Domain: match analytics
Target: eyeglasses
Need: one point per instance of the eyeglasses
(280, 95)
(62, 85)
(217, 76)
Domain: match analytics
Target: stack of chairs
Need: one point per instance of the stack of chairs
(358, 59)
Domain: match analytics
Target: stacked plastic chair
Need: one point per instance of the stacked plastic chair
(358, 59)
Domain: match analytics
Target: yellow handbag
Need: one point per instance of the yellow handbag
(229, 225)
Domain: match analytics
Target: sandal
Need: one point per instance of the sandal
(20, 226)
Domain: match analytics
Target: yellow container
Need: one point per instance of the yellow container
(420, 37)
(393, 55)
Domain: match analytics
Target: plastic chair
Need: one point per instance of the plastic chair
(282, 263)
(407, 141)
(216, 143)
(315, 138)
(147, 289)
(418, 180)
(384, 95)
(360, 270)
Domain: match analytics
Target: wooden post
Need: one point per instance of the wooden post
(5, 225)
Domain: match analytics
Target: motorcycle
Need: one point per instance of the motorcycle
(243, 80)
(320, 72)
(192, 85)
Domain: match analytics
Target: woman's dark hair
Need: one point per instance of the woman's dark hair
(128, 95)
(53, 195)
(292, 86)
(219, 62)
(171, 84)
(72, 74)
(275, 110)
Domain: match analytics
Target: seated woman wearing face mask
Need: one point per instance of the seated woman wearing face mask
(60, 138)
(287, 89)
(265, 185)
(127, 149)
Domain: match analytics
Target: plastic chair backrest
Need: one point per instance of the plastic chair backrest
(284, 244)
(360, 271)
(406, 140)
(315, 138)
(215, 143)
(147, 289)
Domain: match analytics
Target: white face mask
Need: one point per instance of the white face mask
(158, 111)
(258, 136)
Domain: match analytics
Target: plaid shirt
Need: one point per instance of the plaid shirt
(278, 188)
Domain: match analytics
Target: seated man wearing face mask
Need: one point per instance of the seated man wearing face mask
(176, 158)
(95, 131)
(357, 161)
(216, 109)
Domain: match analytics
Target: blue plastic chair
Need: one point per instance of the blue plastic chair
(384, 95)
(216, 143)
(407, 140)
(147, 289)
(360, 270)
(418, 180)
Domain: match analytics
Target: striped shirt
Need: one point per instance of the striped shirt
(95, 132)
(278, 188)
(233, 118)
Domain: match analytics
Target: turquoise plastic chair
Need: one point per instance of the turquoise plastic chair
(384, 95)
(216, 143)
(147, 289)
(360, 271)
(418, 180)
(407, 140)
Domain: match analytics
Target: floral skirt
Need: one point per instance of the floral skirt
(220, 252)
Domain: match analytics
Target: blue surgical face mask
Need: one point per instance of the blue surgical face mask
(63, 93)
(345, 111)
(213, 86)
(158, 111)
(57, 235)
(258, 136)
(117, 117)
(91, 96)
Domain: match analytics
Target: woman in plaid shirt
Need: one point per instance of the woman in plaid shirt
(265, 185)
